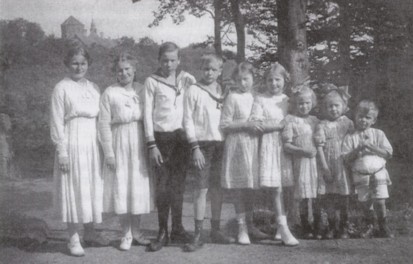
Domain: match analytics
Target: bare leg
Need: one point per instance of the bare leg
(200, 203)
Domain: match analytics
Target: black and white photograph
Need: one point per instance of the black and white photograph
(206, 131)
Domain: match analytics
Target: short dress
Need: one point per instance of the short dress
(73, 127)
(330, 135)
(240, 158)
(299, 131)
(275, 168)
(127, 189)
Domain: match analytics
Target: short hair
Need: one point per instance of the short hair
(243, 68)
(76, 50)
(278, 69)
(124, 57)
(304, 90)
(366, 106)
(210, 57)
(167, 47)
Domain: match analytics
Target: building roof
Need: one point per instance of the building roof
(72, 21)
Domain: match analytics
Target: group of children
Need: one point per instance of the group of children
(232, 139)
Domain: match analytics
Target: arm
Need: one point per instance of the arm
(382, 148)
(189, 126)
(154, 153)
(57, 127)
(228, 125)
(105, 131)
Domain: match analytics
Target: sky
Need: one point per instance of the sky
(115, 18)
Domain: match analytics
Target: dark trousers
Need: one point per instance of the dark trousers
(170, 177)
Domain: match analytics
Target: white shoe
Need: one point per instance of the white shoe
(287, 238)
(75, 247)
(125, 243)
(277, 235)
(243, 237)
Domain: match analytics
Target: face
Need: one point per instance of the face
(210, 72)
(169, 61)
(365, 120)
(304, 105)
(245, 82)
(275, 84)
(77, 66)
(334, 107)
(125, 72)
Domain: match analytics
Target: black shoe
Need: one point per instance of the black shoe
(384, 230)
(218, 237)
(179, 235)
(196, 242)
(161, 241)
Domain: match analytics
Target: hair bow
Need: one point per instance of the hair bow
(306, 83)
(327, 88)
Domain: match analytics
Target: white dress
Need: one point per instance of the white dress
(240, 158)
(274, 168)
(74, 111)
(127, 189)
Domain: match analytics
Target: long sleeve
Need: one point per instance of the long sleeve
(57, 121)
(227, 115)
(319, 136)
(104, 126)
(287, 133)
(149, 96)
(257, 112)
(188, 122)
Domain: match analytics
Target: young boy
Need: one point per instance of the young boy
(366, 152)
(167, 144)
(202, 114)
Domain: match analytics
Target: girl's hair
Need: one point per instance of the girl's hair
(304, 90)
(168, 47)
(278, 69)
(76, 50)
(125, 57)
(243, 68)
(366, 106)
(211, 57)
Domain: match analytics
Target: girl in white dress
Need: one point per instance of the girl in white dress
(270, 108)
(125, 170)
(74, 111)
(240, 158)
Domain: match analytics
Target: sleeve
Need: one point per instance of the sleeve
(347, 146)
(319, 135)
(149, 99)
(287, 133)
(104, 125)
(257, 112)
(228, 112)
(57, 121)
(189, 107)
(384, 142)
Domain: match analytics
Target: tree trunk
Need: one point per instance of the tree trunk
(344, 42)
(240, 29)
(217, 27)
(292, 38)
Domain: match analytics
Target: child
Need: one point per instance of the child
(298, 140)
(121, 134)
(166, 141)
(334, 183)
(202, 113)
(240, 158)
(366, 151)
(74, 111)
(270, 108)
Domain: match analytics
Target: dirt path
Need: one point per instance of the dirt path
(34, 198)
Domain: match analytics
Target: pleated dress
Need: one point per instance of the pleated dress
(73, 125)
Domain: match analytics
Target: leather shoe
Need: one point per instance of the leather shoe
(161, 241)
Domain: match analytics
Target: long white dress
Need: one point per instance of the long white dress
(127, 189)
(240, 158)
(74, 111)
(275, 170)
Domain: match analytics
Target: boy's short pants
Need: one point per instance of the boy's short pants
(210, 175)
(372, 186)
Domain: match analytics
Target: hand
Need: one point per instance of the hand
(309, 152)
(256, 127)
(64, 164)
(327, 174)
(198, 158)
(111, 163)
(155, 157)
